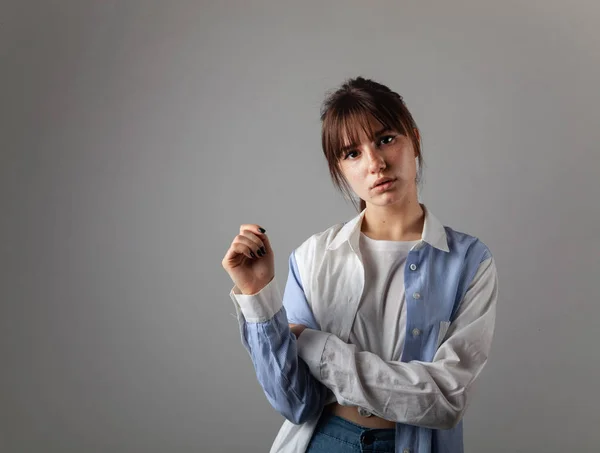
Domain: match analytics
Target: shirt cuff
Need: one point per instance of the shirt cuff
(259, 307)
(311, 345)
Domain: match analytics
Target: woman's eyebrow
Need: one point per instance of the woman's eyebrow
(375, 135)
(382, 132)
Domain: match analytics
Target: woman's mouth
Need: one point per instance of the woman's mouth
(384, 186)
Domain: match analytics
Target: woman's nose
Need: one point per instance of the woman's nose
(376, 160)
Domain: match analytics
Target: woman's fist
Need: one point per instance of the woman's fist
(249, 261)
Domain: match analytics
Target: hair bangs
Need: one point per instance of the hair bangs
(345, 127)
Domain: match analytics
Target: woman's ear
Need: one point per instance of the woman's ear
(418, 139)
(417, 134)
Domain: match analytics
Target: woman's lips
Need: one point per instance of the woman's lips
(384, 186)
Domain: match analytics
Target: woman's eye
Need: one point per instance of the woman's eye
(347, 154)
(386, 139)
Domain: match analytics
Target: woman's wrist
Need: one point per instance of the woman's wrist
(297, 329)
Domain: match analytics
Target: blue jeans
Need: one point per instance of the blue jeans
(335, 434)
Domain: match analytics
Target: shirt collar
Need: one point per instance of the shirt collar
(433, 234)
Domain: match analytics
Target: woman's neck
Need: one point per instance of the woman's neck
(394, 223)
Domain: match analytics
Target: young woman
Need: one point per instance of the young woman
(387, 319)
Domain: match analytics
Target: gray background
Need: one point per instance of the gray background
(136, 136)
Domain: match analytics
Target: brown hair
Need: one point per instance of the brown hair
(347, 110)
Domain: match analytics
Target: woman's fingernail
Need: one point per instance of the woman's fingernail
(259, 252)
(262, 249)
(252, 254)
(262, 230)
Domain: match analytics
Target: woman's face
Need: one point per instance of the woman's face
(387, 154)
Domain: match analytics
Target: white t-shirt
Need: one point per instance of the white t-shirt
(382, 303)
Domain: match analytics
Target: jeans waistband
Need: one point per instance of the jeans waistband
(348, 431)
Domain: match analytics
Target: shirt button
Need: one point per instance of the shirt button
(363, 412)
(413, 267)
(416, 332)
(416, 295)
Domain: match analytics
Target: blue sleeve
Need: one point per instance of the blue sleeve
(294, 300)
(284, 377)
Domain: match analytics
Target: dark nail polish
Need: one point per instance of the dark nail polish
(262, 249)
(262, 230)
(259, 252)
(252, 254)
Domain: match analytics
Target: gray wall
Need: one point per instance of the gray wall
(136, 136)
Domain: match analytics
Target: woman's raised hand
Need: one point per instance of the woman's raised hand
(249, 261)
